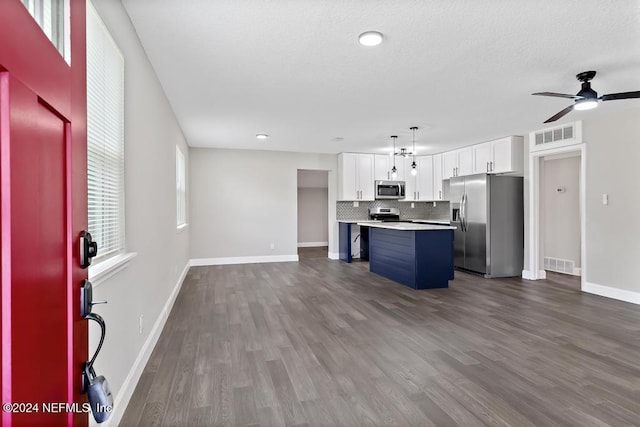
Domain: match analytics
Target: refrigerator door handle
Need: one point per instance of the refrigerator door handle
(464, 209)
(461, 213)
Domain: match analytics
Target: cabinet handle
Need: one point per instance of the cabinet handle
(487, 166)
(418, 195)
(439, 194)
(491, 166)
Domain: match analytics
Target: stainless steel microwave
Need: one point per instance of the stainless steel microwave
(389, 189)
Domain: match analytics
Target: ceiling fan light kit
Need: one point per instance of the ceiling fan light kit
(586, 98)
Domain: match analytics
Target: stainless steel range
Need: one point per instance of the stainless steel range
(385, 214)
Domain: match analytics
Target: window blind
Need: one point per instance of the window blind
(105, 138)
(181, 187)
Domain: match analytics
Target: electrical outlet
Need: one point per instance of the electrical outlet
(272, 246)
(141, 323)
(413, 205)
(434, 204)
(356, 204)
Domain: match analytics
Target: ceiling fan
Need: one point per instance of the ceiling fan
(587, 98)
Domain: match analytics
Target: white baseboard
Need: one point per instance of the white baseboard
(243, 260)
(334, 255)
(312, 244)
(528, 275)
(609, 292)
(131, 381)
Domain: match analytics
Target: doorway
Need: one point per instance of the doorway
(560, 213)
(313, 213)
(549, 212)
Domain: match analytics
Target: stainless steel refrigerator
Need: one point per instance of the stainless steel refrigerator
(488, 213)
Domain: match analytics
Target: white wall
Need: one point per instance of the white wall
(560, 211)
(145, 285)
(242, 201)
(613, 165)
(313, 215)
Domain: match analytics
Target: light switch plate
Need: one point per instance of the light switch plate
(356, 204)
(413, 205)
(605, 199)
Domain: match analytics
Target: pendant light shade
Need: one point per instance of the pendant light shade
(414, 166)
(394, 171)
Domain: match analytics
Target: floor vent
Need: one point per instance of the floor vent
(555, 134)
(561, 265)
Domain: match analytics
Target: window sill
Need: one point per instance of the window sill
(102, 271)
(182, 227)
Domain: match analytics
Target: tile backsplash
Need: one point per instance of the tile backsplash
(422, 210)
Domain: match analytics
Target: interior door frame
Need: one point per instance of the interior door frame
(536, 230)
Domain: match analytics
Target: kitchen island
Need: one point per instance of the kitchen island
(419, 256)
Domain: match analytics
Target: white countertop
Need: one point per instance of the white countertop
(406, 226)
(358, 221)
(431, 221)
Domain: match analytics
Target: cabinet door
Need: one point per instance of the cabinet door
(437, 177)
(382, 167)
(411, 190)
(365, 176)
(450, 164)
(482, 157)
(424, 179)
(347, 176)
(465, 161)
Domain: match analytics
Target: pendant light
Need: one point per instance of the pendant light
(394, 171)
(414, 167)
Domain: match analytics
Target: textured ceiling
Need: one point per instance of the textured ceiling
(461, 70)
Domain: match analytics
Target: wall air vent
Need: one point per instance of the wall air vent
(555, 134)
(567, 134)
(561, 266)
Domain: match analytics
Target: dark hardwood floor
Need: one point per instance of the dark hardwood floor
(324, 343)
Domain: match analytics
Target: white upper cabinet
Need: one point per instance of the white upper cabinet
(419, 187)
(457, 162)
(382, 167)
(450, 164)
(508, 155)
(465, 161)
(482, 157)
(424, 178)
(437, 177)
(355, 176)
(503, 155)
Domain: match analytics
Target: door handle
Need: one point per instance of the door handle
(461, 213)
(96, 387)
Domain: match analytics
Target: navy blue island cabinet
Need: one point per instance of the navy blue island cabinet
(419, 256)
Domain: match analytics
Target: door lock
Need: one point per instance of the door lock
(88, 249)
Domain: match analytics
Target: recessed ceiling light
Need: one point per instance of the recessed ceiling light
(262, 136)
(370, 38)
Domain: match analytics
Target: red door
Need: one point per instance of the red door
(42, 212)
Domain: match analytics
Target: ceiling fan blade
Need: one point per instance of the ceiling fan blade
(557, 95)
(621, 95)
(560, 114)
